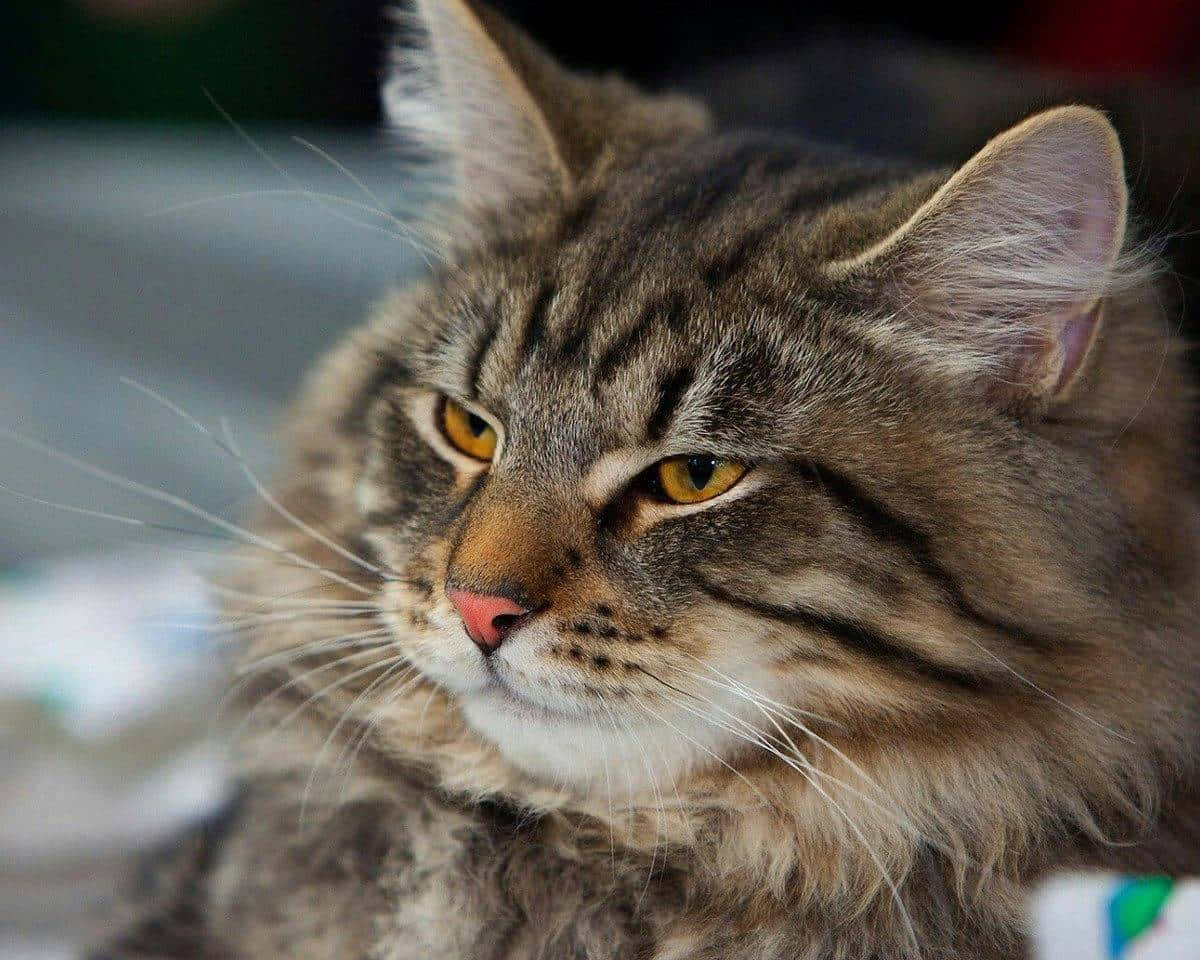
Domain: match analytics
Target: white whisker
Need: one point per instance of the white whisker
(311, 647)
(178, 503)
(114, 517)
(406, 229)
(612, 842)
(400, 663)
(1048, 695)
(748, 693)
(328, 688)
(658, 811)
(229, 447)
(372, 651)
(248, 672)
(764, 740)
(851, 825)
(263, 600)
(721, 760)
(314, 198)
(403, 685)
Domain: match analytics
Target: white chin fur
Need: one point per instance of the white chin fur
(588, 751)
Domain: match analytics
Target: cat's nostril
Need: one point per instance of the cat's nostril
(505, 622)
(488, 619)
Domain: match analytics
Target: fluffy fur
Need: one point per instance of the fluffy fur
(939, 640)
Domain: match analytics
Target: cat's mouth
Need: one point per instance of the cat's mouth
(510, 692)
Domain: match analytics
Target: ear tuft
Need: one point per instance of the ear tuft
(454, 94)
(1004, 269)
(514, 126)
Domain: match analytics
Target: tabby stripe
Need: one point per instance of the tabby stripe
(854, 636)
(466, 496)
(827, 194)
(890, 528)
(383, 518)
(175, 931)
(776, 161)
(479, 356)
(388, 371)
(535, 323)
(724, 265)
(573, 341)
(670, 309)
(721, 267)
(579, 218)
(695, 200)
(670, 393)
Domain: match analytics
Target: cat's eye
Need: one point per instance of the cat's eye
(468, 432)
(694, 479)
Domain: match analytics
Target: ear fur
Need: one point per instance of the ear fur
(1005, 269)
(515, 127)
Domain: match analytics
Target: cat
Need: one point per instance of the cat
(734, 548)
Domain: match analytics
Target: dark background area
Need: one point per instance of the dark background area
(318, 61)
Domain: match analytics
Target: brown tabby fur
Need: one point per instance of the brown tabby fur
(985, 591)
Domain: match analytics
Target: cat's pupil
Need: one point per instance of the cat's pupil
(700, 470)
(477, 424)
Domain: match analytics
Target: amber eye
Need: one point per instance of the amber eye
(694, 479)
(469, 433)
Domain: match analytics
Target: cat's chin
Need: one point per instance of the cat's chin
(577, 748)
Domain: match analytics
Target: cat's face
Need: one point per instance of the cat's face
(640, 472)
(691, 478)
(705, 443)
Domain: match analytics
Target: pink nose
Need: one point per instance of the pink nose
(488, 619)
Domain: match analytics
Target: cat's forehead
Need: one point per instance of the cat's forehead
(712, 204)
(678, 300)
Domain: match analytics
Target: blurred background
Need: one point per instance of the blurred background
(175, 209)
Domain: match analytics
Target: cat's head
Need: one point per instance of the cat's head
(705, 452)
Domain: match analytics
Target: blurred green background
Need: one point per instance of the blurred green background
(148, 60)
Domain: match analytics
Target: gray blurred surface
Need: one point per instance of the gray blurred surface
(183, 259)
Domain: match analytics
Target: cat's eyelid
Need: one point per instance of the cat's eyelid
(471, 407)
(612, 473)
(423, 407)
(651, 511)
(431, 381)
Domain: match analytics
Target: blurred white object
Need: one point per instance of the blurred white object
(109, 680)
(1109, 917)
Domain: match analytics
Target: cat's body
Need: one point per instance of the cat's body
(936, 639)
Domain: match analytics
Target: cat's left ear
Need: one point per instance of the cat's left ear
(515, 126)
(1003, 272)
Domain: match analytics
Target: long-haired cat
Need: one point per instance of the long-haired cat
(734, 548)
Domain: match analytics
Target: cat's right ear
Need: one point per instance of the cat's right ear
(1001, 276)
(473, 91)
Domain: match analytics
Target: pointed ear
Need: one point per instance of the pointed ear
(1004, 270)
(515, 126)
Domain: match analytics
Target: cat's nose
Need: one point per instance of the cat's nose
(488, 619)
